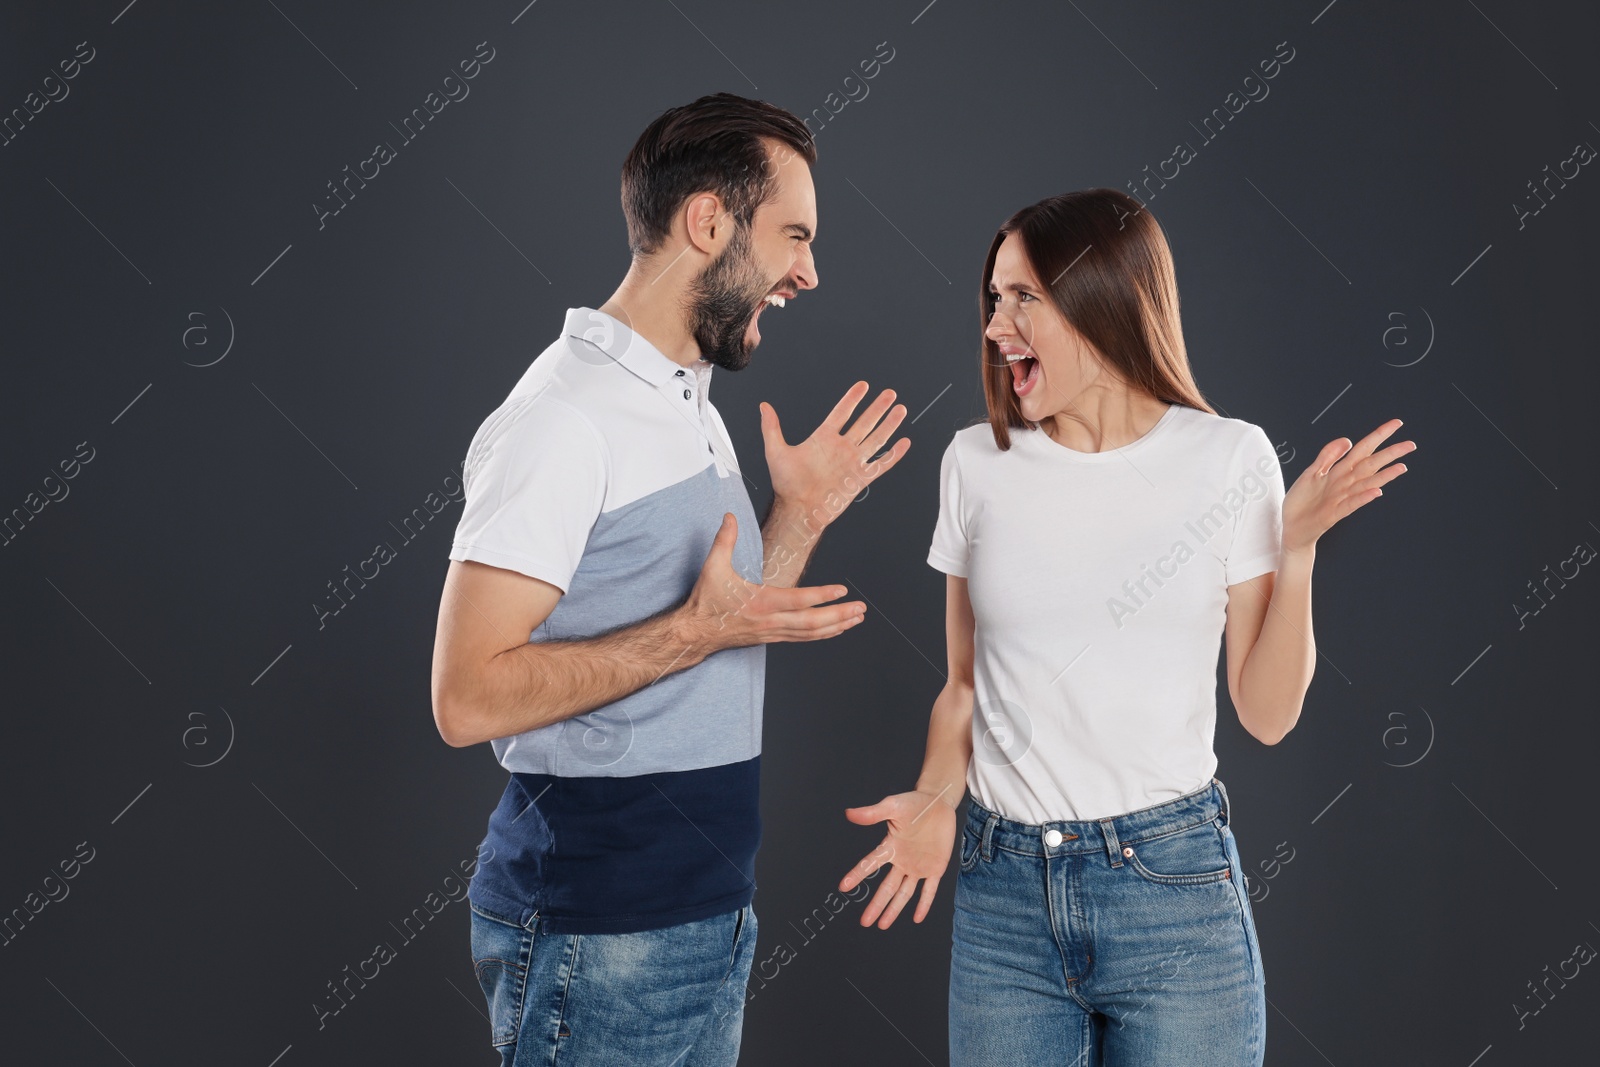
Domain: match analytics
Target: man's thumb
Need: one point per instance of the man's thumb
(727, 535)
(770, 428)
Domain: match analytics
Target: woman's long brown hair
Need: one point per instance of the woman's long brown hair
(1113, 282)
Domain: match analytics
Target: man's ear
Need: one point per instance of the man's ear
(707, 222)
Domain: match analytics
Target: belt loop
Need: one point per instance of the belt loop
(1113, 847)
(1227, 816)
(532, 921)
(987, 846)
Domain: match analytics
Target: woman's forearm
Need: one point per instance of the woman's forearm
(1277, 673)
(944, 766)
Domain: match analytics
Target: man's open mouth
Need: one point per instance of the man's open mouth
(778, 298)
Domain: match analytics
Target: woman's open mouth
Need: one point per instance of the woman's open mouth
(1024, 372)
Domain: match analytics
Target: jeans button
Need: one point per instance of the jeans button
(1052, 838)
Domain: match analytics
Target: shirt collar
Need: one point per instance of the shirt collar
(628, 348)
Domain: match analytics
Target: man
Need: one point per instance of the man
(605, 617)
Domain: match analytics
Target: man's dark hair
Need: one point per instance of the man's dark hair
(711, 145)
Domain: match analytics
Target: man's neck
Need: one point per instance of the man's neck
(651, 303)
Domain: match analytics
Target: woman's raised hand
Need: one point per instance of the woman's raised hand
(922, 832)
(1342, 478)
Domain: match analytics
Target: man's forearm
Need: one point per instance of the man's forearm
(543, 682)
(788, 538)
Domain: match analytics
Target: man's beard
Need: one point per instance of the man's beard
(722, 301)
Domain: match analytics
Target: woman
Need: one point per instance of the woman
(1100, 532)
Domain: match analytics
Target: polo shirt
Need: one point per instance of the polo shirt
(606, 472)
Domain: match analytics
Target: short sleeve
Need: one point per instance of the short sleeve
(1256, 487)
(535, 483)
(948, 552)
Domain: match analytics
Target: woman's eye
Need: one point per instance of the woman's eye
(1024, 296)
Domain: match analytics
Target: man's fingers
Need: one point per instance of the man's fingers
(841, 411)
(809, 624)
(868, 419)
(888, 459)
(874, 440)
(776, 598)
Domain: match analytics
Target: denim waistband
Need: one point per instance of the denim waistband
(1109, 834)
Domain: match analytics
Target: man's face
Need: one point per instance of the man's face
(768, 261)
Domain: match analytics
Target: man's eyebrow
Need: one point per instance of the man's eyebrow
(804, 230)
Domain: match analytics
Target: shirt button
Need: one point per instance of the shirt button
(680, 373)
(686, 394)
(1052, 838)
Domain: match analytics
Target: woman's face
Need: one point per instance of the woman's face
(1050, 362)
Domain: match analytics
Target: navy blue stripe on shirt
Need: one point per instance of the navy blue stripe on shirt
(620, 855)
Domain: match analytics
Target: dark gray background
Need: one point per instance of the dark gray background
(1372, 189)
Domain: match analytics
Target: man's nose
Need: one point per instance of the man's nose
(805, 269)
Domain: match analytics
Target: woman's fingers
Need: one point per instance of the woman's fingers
(908, 886)
(880, 899)
(930, 887)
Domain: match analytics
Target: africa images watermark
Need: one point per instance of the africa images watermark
(383, 552)
(1252, 486)
(809, 929)
(855, 89)
(1184, 153)
(454, 888)
(456, 90)
(55, 89)
(54, 889)
(55, 491)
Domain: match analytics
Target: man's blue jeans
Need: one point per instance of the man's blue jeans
(1110, 942)
(673, 996)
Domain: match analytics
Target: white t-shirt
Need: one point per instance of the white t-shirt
(1099, 587)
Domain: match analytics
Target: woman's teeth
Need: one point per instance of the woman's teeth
(1024, 372)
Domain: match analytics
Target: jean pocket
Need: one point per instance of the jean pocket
(744, 934)
(970, 843)
(500, 952)
(1196, 855)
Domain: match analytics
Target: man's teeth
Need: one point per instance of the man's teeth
(775, 300)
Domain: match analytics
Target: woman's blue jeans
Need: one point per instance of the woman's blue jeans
(1126, 941)
(672, 997)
